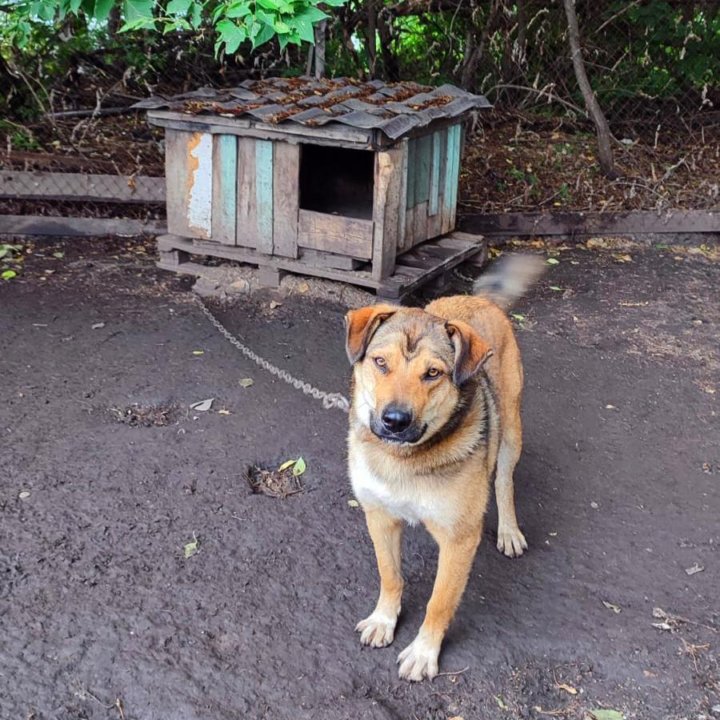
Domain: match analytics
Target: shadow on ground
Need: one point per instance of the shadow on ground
(107, 475)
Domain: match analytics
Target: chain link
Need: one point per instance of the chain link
(329, 400)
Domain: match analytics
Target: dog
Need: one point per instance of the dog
(435, 414)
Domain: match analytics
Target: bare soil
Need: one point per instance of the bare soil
(141, 577)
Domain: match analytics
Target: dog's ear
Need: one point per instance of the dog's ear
(361, 325)
(471, 351)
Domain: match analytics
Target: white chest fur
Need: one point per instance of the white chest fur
(412, 501)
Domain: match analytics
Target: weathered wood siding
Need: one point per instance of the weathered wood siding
(336, 234)
(224, 189)
(188, 172)
(388, 208)
(433, 165)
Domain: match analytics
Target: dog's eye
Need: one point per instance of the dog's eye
(433, 373)
(380, 362)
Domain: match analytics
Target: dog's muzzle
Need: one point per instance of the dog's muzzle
(396, 424)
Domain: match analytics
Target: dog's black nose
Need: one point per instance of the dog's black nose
(395, 419)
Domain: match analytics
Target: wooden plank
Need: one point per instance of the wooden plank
(409, 229)
(404, 279)
(459, 129)
(388, 207)
(264, 194)
(224, 189)
(286, 193)
(246, 255)
(337, 234)
(420, 223)
(402, 200)
(438, 142)
(411, 164)
(330, 260)
(331, 134)
(246, 229)
(176, 172)
(573, 224)
(394, 288)
(81, 186)
(452, 169)
(423, 169)
(77, 227)
(199, 184)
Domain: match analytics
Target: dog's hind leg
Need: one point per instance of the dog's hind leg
(511, 541)
(378, 630)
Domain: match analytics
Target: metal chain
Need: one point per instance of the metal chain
(329, 400)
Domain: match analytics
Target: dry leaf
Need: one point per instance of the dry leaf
(353, 503)
(223, 412)
(568, 689)
(694, 569)
(274, 304)
(286, 465)
(190, 548)
(246, 382)
(610, 606)
(202, 405)
(198, 352)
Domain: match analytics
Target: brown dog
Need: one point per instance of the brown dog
(435, 412)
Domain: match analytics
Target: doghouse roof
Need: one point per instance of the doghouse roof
(395, 109)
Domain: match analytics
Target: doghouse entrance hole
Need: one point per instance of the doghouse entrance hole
(337, 181)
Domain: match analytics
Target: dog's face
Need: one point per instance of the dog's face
(410, 367)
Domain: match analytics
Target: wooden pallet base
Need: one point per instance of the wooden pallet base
(413, 269)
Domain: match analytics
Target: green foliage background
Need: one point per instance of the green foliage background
(641, 55)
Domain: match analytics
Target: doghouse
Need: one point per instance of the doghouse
(334, 178)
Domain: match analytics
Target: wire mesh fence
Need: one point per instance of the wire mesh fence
(653, 65)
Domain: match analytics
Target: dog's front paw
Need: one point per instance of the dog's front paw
(419, 659)
(511, 542)
(378, 630)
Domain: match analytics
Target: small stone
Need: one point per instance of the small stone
(594, 505)
(238, 287)
(24, 495)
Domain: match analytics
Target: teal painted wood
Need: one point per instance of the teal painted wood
(457, 129)
(438, 143)
(264, 194)
(452, 169)
(423, 163)
(411, 161)
(224, 213)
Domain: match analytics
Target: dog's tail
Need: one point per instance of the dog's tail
(509, 278)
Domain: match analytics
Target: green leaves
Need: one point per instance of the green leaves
(298, 466)
(102, 9)
(234, 21)
(607, 715)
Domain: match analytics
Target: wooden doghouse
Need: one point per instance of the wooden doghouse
(334, 178)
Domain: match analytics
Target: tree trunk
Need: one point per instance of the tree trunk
(605, 155)
(371, 37)
(391, 68)
(320, 49)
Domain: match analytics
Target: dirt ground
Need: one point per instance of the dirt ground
(107, 477)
